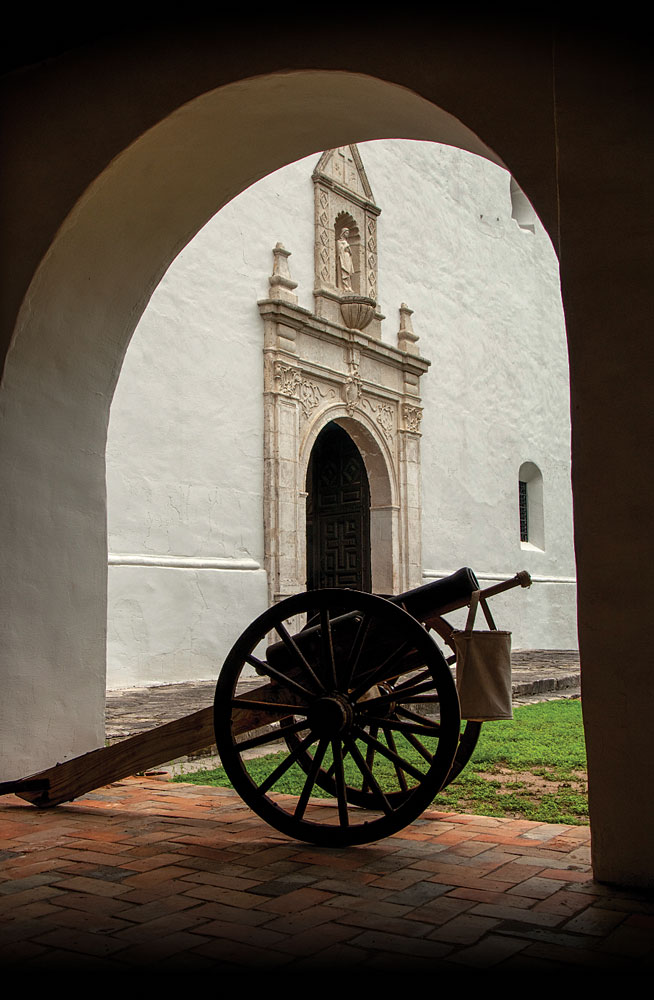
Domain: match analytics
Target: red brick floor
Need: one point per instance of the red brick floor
(144, 873)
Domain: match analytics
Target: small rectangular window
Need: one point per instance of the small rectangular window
(524, 512)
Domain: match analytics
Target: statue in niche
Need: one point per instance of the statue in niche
(345, 261)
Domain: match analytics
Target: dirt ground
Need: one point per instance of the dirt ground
(535, 783)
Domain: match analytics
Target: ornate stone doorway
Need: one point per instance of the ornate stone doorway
(338, 513)
(330, 369)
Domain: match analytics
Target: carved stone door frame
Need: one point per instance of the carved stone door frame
(301, 397)
(332, 365)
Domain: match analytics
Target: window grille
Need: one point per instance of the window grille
(524, 511)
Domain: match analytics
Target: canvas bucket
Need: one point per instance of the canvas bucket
(483, 668)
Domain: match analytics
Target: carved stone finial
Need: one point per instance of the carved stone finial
(407, 340)
(281, 284)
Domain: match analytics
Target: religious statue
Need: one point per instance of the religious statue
(352, 388)
(345, 262)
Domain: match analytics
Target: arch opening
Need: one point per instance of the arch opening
(83, 305)
(337, 513)
(531, 503)
(73, 329)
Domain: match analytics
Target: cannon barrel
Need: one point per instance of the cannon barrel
(420, 603)
(423, 603)
(452, 591)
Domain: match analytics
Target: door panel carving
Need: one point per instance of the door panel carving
(338, 513)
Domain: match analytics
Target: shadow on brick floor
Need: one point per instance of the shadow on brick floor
(145, 874)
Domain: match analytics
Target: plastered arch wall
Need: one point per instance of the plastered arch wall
(73, 329)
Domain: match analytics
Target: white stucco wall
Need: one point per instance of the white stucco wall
(184, 452)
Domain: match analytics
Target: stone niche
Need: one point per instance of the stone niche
(345, 248)
(332, 365)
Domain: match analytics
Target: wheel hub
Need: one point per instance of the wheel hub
(331, 715)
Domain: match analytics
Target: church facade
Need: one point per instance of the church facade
(355, 375)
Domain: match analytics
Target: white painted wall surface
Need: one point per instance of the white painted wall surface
(184, 452)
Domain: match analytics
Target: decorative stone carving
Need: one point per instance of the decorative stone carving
(352, 389)
(293, 383)
(407, 340)
(281, 285)
(288, 379)
(412, 418)
(384, 414)
(344, 262)
(309, 395)
(332, 365)
(345, 237)
(357, 311)
(372, 257)
(385, 418)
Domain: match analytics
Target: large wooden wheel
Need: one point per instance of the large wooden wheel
(347, 700)
(325, 777)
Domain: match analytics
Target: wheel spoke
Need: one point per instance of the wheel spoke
(270, 737)
(422, 720)
(339, 776)
(417, 745)
(369, 778)
(393, 756)
(264, 667)
(402, 695)
(298, 656)
(405, 727)
(390, 739)
(327, 649)
(355, 652)
(417, 699)
(269, 706)
(370, 753)
(421, 678)
(311, 778)
(383, 672)
(287, 763)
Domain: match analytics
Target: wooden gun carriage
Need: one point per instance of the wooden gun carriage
(357, 695)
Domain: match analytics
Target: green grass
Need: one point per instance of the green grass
(531, 768)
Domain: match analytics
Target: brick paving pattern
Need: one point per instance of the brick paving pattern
(172, 877)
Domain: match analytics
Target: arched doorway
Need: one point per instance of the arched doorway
(338, 513)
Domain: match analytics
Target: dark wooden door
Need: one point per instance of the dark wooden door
(338, 513)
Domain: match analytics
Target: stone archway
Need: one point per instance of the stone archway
(285, 496)
(68, 344)
(97, 230)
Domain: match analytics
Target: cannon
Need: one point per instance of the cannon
(356, 696)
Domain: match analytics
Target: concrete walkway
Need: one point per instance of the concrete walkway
(537, 675)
